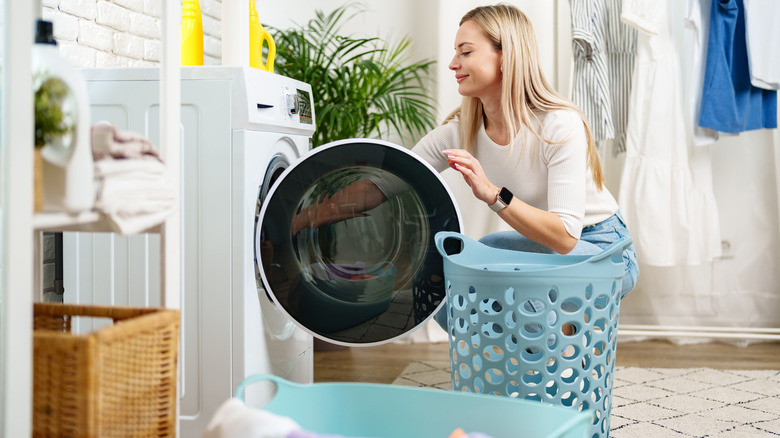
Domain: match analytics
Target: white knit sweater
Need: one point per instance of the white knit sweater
(551, 177)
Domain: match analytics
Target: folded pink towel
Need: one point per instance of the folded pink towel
(109, 142)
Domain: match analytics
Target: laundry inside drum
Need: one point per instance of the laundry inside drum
(357, 266)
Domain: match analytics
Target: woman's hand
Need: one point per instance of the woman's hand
(471, 170)
(538, 225)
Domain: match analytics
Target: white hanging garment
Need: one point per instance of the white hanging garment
(673, 221)
(697, 21)
(763, 42)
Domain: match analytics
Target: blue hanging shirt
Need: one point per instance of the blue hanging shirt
(729, 102)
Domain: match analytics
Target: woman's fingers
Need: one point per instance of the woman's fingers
(463, 161)
(461, 158)
(471, 170)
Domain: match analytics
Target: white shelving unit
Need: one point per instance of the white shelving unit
(17, 235)
(21, 228)
(59, 221)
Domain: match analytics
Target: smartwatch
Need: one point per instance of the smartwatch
(503, 199)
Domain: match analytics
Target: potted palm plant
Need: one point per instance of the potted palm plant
(363, 87)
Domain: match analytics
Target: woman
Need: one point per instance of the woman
(525, 151)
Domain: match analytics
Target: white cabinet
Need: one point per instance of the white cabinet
(20, 227)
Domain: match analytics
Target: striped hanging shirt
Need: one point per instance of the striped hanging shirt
(604, 51)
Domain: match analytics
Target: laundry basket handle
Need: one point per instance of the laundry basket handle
(278, 381)
(465, 243)
(614, 251)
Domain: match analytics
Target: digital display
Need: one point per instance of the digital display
(304, 107)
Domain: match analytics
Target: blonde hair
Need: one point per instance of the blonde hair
(523, 85)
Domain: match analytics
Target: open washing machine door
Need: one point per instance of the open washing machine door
(277, 326)
(346, 273)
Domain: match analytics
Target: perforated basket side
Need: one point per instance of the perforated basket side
(547, 334)
(536, 341)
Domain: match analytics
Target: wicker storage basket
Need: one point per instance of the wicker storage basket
(118, 381)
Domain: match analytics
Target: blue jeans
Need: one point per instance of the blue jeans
(593, 240)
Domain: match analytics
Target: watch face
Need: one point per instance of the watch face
(505, 196)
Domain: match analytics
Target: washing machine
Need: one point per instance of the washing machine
(241, 128)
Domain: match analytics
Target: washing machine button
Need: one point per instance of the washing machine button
(293, 103)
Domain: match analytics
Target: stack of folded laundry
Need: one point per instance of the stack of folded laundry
(134, 191)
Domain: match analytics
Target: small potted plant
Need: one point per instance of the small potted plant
(52, 121)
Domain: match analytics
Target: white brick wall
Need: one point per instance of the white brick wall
(86, 9)
(122, 33)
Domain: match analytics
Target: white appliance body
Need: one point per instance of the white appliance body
(241, 127)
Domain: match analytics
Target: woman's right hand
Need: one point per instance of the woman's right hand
(471, 170)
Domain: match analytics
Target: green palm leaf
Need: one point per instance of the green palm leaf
(362, 87)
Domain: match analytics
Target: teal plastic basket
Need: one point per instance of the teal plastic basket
(390, 411)
(535, 326)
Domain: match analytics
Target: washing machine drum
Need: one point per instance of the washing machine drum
(345, 241)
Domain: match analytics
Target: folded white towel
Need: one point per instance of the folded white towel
(109, 167)
(134, 194)
(233, 419)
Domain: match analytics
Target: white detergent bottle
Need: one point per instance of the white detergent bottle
(68, 167)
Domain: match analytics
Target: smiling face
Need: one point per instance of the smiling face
(477, 63)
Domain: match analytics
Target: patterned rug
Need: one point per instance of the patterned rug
(667, 402)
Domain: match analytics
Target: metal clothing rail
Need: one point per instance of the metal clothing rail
(756, 333)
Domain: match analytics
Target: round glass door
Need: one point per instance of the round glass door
(346, 241)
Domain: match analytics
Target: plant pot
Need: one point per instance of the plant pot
(38, 181)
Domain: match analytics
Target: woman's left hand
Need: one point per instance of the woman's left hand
(473, 174)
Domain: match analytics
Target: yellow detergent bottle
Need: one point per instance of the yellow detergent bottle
(191, 33)
(257, 36)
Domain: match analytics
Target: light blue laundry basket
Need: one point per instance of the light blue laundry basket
(390, 411)
(510, 322)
